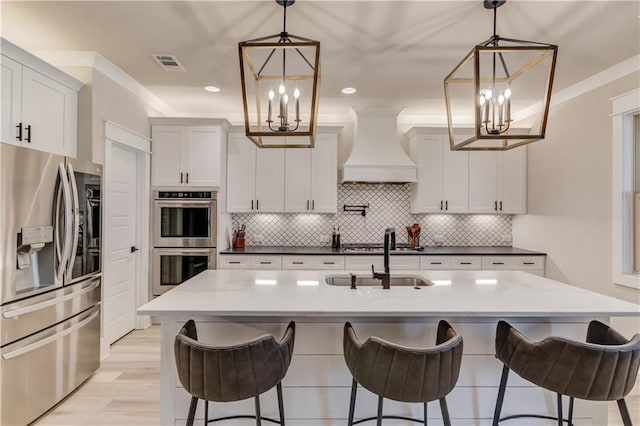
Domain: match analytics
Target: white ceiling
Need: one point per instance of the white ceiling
(396, 53)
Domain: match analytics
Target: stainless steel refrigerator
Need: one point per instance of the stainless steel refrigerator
(50, 276)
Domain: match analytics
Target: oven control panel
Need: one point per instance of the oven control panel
(184, 194)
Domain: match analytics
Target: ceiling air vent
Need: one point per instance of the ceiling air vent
(168, 62)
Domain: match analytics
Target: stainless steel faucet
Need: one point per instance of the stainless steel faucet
(389, 244)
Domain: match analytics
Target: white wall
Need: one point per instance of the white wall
(569, 193)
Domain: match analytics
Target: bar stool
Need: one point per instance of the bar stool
(602, 369)
(402, 373)
(232, 373)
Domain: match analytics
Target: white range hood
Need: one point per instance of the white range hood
(377, 156)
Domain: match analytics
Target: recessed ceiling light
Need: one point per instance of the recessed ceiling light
(349, 90)
(212, 89)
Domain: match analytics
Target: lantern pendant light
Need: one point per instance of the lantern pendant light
(280, 75)
(495, 77)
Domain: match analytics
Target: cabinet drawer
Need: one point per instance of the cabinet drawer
(328, 262)
(235, 262)
(297, 262)
(405, 262)
(363, 263)
(466, 262)
(514, 263)
(266, 262)
(435, 262)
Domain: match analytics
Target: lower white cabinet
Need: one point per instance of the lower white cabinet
(351, 263)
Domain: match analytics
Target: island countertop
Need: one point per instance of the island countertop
(255, 293)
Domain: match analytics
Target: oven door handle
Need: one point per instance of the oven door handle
(181, 251)
(184, 202)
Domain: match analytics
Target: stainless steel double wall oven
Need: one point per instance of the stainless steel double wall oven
(184, 237)
(50, 276)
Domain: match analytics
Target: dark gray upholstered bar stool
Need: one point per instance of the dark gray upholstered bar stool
(602, 369)
(402, 373)
(233, 373)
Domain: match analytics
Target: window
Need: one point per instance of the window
(626, 189)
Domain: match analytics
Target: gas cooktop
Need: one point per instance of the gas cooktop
(377, 248)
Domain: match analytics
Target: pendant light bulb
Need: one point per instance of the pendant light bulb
(507, 93)
(483, 100)
(488, 94)
(296, 93)
(281, 89)
(286, 99)
(271, 95)
(501, 99)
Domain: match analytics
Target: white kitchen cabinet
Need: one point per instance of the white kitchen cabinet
(186, 156)
(514, 263)
(443, 180)
(39, 103)
(307, 262)
(311, 177)
(266, 262)
(498, 181)
(255, 177)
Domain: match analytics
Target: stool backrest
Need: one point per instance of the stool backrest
(602, 369)
(231, 373)
(405, 373)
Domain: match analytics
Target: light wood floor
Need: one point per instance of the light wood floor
(126, 389)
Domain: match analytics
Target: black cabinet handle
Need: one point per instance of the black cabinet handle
(298, 263)
(28, 137)
(187, 177)
(436, 263)
(265, 263)
(495, 205)
(528, 263)
(307, 204)
(328, 263)
(181, 177)
(234, 262)
(19, 127)
(500, 205)
(440, 204)
(257, 205)
(313, 204)
(446, 205)
(251, 204)
(134, 249)
(465, 263)
(498, 263)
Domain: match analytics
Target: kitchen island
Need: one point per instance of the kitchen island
(231, 306)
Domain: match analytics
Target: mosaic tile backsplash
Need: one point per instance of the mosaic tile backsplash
(388, 207)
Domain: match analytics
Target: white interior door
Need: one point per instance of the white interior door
(121, 227)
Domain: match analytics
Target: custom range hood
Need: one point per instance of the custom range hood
(377, 156)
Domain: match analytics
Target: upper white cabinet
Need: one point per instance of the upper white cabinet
(255, 177)
(443, 175)
(498, 181)
(186, 156)
(39, 103)
(311, 177)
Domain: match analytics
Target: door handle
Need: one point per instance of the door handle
(28, 130)
(134, 249)
(19, 127)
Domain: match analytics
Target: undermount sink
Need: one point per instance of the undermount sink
(368, 281)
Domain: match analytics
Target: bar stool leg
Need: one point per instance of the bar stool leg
(559, 409)
(501, 390)
(379, 422)
(570, 423)
(445, 412)
(258, 415)
(352, 402)
(425, 414)
(192, 411)
(206, 412)
(624, 412)
(280, 403)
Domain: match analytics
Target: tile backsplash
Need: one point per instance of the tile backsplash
(388, 207)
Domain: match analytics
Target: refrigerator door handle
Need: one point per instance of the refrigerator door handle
(76, 221)
(38, 306)
(40, 343)
(65, 194)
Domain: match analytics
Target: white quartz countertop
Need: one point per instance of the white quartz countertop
(457, 294)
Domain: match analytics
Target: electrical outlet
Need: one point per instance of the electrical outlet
(325, 238)
(438, 239)
(507, 238)
(258, 239)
